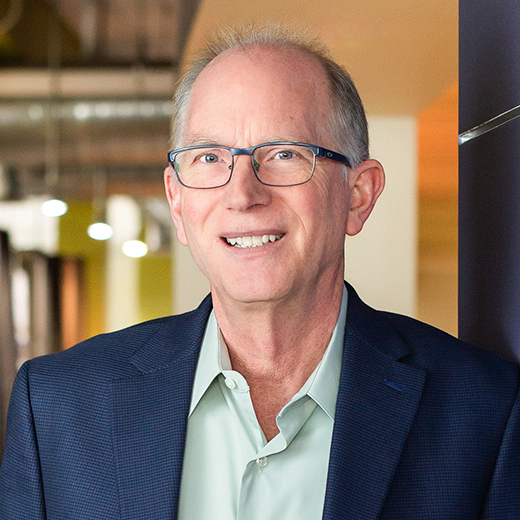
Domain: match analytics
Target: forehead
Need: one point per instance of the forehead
(251, 87)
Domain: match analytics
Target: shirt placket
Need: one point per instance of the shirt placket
(263, 471)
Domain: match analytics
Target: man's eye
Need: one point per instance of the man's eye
(284, 154)
(209, 158)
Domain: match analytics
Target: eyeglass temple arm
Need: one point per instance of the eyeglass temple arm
(329, 154)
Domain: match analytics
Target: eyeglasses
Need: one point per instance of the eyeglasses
(274, 164)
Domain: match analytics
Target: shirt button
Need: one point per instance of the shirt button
(261, 462)
(230, 383)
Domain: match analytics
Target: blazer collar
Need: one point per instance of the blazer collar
(377, 402)
(371, 327)
(149, 414)
(180, 337)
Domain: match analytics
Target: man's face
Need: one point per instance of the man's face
(244, 99)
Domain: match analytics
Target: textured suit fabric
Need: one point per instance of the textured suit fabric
(426, 426)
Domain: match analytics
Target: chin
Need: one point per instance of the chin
(256, 292)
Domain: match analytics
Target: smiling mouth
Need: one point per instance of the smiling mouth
(253, 241)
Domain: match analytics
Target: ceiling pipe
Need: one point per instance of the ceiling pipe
(14, 13)
(53, 126)
(35, 112)
(88, 28)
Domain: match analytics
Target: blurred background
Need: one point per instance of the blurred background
(85, 102)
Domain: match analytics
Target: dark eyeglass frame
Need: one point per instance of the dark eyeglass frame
(318, 151)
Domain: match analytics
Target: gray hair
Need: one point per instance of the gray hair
(346, 122)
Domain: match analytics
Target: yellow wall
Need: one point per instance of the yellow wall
(74, 241)
(155, 287)
(154, 295)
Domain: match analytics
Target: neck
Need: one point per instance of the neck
(284, 339)
(277, 346)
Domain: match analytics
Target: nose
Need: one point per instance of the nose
(244, 191)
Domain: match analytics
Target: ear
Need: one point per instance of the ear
(173, 193)
(366, 182)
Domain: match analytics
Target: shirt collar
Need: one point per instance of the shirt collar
(322, 386)
(208, 365)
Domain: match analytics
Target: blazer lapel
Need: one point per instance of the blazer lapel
(149, 418)
(376, 406)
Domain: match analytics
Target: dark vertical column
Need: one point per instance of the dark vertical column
(489, 175)
(44, 273)
(7, 342)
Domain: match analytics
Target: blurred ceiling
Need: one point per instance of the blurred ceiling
(85, 85)
(402, 54)
(94, 32)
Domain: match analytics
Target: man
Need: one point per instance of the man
(282, 395)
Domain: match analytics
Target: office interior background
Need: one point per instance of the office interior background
(85, 102)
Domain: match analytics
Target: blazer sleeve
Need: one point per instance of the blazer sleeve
(503, 500)
(21, 492)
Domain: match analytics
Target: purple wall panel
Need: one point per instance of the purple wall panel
(489, 176)
(489, 59)
(489, 240)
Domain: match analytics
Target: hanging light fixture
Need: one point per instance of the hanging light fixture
(135, 248)
(99, 229)
(54, 206)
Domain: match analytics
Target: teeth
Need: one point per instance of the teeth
(252, 241)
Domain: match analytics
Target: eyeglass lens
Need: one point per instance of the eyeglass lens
(276, 165)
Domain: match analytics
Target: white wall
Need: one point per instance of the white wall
(122, 272)
(190, 286)
(29, 229)
(381, 262)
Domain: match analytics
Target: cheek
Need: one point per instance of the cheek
(331, 200)
(196, 216)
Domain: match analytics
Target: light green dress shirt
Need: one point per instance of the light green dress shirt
(230, 471)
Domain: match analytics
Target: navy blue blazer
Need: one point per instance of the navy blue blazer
(426, 427)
